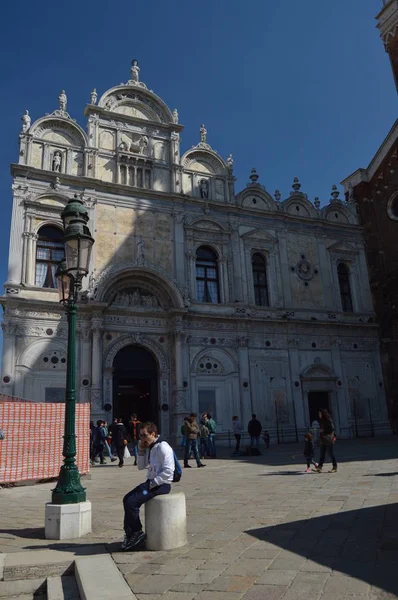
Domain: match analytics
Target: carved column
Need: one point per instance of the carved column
(238, 293)
(342, 393)
(296, 392)
(68, 161)
(29, 141)
(8, 358)
(179, 247)
(31, 239)
(96, 364)
(46, 157)
(246, 405)
(223, 279)
(285, 270)
(191, 273)
(179, 403)
(381, 408)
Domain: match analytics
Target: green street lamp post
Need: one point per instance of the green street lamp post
(70, 273)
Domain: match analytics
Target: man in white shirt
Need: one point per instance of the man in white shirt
(158, 457)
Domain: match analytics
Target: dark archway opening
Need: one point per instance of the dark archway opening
(135, 384)
(316, 402)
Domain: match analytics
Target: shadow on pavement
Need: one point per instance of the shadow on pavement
(83, 549)
(35, 533)
(360, 543)
(282, 473)
(380, 474)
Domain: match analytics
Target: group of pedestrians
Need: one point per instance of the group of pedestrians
(254, 429)
(327, 439)
(198, 440)
(112, 438)
(115, 439)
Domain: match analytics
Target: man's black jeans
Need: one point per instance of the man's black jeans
(329, 450)
(191, 446)
(134, 500)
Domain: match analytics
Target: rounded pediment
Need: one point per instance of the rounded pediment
(299, 206)
(59, 131)
(136, 102)
(213, 362)
(257, 199)
(204, 161)
(141, 287)
(337, 214)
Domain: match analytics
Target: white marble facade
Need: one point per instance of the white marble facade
(222, 344)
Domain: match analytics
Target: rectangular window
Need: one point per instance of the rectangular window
(55, 395)
(207, 402)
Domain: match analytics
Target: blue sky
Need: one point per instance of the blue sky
(293, 88)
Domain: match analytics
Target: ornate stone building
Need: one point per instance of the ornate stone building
(375, 191)
(199, 298)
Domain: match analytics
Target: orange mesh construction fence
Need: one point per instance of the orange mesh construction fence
(32, 448)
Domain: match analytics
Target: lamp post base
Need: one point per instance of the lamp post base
(67, 521)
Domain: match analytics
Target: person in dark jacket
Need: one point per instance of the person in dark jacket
(327, 439)
(98, 444)
(119, 435)
(133, 430)
(309, 452)
(254, 428)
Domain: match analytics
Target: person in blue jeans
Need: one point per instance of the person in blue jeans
(212, 427)
(192, 432)
(254, 428)
(157, 456)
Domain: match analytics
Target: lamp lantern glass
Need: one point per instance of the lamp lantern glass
(78, 245)
(63, 281)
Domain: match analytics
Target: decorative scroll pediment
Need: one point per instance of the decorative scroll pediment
(318, 371)
(260, 234)
(342, 246)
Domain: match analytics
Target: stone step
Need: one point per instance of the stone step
(28, 597)
(36, 564)
(98, 578)
(24, 587)
(44, 563)
(62, 588)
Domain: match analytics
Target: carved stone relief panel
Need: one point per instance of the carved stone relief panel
(136, 298)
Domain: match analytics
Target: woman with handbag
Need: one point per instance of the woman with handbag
(327, 440)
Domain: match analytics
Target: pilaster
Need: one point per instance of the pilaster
(246, 406)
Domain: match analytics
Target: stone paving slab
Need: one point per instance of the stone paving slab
(259, 528)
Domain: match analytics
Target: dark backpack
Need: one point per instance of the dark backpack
(177, 467)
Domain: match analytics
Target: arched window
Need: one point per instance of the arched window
(207, 284)
(49, 252)
(344, 285)
(259, 267)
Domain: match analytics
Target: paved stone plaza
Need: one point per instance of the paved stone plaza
(259, 528)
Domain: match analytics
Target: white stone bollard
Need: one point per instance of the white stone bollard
(67, 521)
(166, 522)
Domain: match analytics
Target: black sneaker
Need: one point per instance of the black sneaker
(134, 541)
(187, 467)
(113, 459)
(201, 465)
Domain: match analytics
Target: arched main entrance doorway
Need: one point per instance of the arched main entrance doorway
(135, 384)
